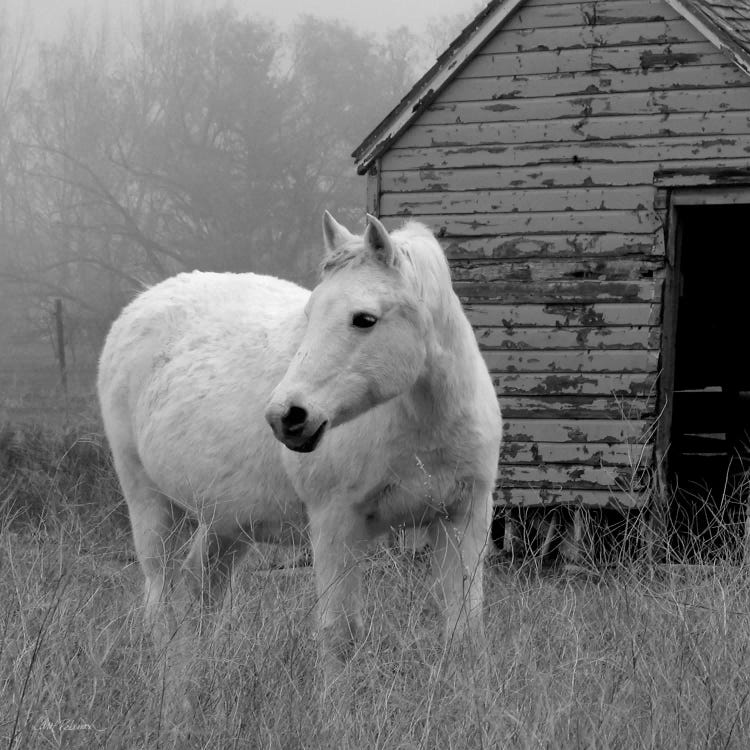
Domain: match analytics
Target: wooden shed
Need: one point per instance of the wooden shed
(586, 165)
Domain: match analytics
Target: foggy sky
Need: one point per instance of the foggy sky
(49, 16)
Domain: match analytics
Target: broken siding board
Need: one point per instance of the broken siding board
(600, 13)
(646, 56)
(543, 269)
(504, 201)
(635, 221)
(577, 407)
(657, 149)
(586, 37)
(592, 454)
(561, 315)
(519, 496)
(550, 246)
(579, 384)
(622, 337)
(597, 128)
(610, 431)
(700, 101)
(572, 360)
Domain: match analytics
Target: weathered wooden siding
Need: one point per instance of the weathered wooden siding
(536, 168)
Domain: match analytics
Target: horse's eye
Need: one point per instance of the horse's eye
(363, 320)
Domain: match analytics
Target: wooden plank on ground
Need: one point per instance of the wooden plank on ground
(659, 149)
(634, 455)
(612, 431)
(572, 130)
(577, 407)
(582, 292)
(600, 314)
(579, 384)
(571, 360)
(528, 337)
(544, 269)
(529, 497)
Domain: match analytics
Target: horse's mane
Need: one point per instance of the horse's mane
(419, 258)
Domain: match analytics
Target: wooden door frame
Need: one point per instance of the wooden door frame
(674, 191)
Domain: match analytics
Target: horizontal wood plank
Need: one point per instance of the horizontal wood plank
(577, 407)
(578, 384)
(545, 292)
(610, 82)
(646, 56)
(594, 128)
(571, 360)
(640, 150)
(610, 431)
(584, 37)
(572, 174)
(635, 221)
(569, 476)
(504, 201)
(526, 337)
(566, 316)
(549, 246)
(548, 496)
(590, 14)
(545, 269)
(633, 455)
(625, 104)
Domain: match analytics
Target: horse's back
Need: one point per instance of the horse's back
(184, 378)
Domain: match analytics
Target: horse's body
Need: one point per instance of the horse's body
(381, 408)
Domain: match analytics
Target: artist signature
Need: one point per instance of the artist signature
(65, 725)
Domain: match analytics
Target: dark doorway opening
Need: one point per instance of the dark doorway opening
(709, 454)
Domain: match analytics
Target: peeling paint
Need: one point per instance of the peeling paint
(668, 59)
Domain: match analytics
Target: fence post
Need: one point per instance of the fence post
(60, 336)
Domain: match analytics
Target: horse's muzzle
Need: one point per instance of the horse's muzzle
(293, 426)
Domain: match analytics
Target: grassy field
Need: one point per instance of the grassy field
(627, 657)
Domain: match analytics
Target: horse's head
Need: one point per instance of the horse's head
(365, 341)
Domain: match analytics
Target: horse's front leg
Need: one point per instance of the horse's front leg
(338, 535)
(460, 539)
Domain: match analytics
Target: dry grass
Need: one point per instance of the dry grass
(628, 658)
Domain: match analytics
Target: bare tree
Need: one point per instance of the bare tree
(210, 142)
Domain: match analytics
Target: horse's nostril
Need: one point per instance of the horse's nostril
(294, 420)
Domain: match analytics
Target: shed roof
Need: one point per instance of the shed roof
(725, 23)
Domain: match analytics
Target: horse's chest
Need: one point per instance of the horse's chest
(412, 492)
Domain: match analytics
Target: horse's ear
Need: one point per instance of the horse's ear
(378, 242)
(334, 234)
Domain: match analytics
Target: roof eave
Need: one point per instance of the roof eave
(424, 92)
(713, 31)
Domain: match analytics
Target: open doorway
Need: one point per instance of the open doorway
(709, 453)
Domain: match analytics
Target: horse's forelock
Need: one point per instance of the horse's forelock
(417, 254)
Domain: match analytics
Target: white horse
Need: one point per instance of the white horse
(381, 406)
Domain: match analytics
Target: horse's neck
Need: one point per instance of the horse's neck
(449, 375)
